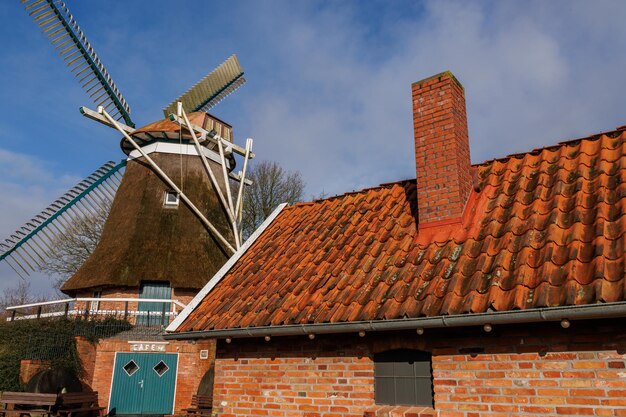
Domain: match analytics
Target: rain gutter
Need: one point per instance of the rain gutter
(582, 312)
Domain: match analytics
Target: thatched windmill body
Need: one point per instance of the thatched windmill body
(151, 238)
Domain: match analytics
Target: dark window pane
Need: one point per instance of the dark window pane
(424, 388)
(404, 369)
(160, 368)
(405, 391)
(383, 368)
(422, 368)
(131, 367)
(384, 390)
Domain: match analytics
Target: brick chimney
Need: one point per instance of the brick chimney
(442, 158)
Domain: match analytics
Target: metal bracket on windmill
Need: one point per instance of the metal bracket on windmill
(168, 180)
(232, 209)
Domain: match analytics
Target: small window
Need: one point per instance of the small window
(95, 305)
(403, 377)
(161, 368)
(171, 199)
(131, 367)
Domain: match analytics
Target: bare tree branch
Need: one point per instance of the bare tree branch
(71, 251)
(271, 186)
(16, 295)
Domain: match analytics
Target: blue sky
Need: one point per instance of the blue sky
(328, 89)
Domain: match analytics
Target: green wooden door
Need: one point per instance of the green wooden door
(152, 314)
(143, 383)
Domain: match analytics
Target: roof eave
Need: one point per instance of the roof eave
(581, 312)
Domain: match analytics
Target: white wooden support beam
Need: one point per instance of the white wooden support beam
(237, 177)
(229, 211)
(228, 193)
(238, 205)
(169, 182)
(90, 114)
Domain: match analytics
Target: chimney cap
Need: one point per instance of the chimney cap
(441, 74)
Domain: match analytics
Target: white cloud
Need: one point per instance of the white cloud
(27, 185)
(344, 118)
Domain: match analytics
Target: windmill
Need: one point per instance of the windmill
(173, 215)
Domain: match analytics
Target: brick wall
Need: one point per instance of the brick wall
(86, 351)
(537, 369)
(442, 158)
(563, 383)
(309, 379)
(29, 367)
(183, 295)
(190, 370)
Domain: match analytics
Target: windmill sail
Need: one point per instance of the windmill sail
(28, 247)
(212, 89)
(56, 21)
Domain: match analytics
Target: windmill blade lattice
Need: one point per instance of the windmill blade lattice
(56, 21)
(29, 247)
(212, 89)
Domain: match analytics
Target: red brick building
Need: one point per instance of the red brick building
(493, 289)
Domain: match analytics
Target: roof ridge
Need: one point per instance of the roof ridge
(348, 193)
(520, 155)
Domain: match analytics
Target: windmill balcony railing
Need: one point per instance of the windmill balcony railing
(143, 312)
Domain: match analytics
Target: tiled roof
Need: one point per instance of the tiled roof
(541, 229)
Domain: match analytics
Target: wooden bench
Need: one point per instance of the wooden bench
(201, 405)
(79, 402)
(27, 403)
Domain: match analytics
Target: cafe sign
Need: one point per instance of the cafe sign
(147, 346)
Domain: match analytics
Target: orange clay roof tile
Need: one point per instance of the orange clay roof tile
(543, 229)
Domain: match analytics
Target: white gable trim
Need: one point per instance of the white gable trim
(223, 271)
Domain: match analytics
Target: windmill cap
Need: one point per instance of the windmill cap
(166, 130)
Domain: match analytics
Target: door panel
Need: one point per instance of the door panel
(126, 391)
(160, 379)
(143, 383)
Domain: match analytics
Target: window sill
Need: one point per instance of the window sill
(399, 411)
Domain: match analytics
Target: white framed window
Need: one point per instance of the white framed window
(171, 199)
(95, 305)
